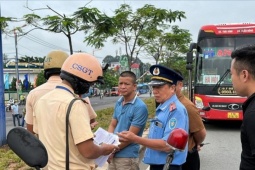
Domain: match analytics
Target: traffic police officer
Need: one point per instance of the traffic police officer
(52, 65)
(170, 114)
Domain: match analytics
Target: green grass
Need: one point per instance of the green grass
(9, 160)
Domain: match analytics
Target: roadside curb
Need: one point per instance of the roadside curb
(142, 148)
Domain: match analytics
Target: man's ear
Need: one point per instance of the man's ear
(245, 75)
(180, 83)
(135, 85)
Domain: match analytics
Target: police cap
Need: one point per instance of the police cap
(162, 75)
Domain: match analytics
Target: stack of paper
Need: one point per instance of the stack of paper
(102, 136)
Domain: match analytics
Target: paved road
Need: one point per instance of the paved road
(107, 102)
(9, 121)
(224, 150)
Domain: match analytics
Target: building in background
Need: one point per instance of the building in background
(27, 72)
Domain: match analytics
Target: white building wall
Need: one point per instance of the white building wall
(32, 73)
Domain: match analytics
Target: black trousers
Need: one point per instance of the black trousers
(192, 161)
(160, 167)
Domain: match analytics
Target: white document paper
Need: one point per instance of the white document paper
(103, 136)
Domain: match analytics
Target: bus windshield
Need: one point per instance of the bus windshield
(214, 59)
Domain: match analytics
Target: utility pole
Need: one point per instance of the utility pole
(18, 84)
(16, 64)
(28, 70)
(2, 105)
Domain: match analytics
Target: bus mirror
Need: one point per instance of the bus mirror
(199, 50)
(192, 46)
(189, 57)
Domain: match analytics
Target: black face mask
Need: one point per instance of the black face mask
(82, 87)
(79, 86)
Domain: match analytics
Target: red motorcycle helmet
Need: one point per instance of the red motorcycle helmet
(178, 139)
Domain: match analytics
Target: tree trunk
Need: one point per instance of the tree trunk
(70, 44)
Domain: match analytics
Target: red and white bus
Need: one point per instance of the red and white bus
(209, 60)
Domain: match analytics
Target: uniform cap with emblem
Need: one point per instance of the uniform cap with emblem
(162, 75)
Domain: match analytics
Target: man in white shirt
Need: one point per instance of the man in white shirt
(15, 113)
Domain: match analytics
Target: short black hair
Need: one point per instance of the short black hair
(129, 74)
(245, 59)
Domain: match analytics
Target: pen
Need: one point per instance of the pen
(202, 144)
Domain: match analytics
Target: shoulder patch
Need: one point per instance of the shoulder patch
(172, 107)
(172, 123)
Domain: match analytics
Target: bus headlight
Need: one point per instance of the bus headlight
(199, 102)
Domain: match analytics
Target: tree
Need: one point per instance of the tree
(147, 78)
(26, 59)
(133, 28)
(82, 20)
(178, 63)
(94, 21)
(40, 79)
(110, 78)
(168, 44)
(4, 22)
(32, 59)
(13, 84)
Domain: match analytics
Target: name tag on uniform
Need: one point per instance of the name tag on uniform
(159, 124)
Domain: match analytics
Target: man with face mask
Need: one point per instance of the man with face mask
(52, 66)
(78, 73)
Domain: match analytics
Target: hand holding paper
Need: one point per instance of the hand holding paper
(101, 137)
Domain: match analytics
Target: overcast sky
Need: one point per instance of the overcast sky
(38, 43)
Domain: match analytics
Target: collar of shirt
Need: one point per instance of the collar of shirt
(167, 103)
(120, 100)
(67, 88)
